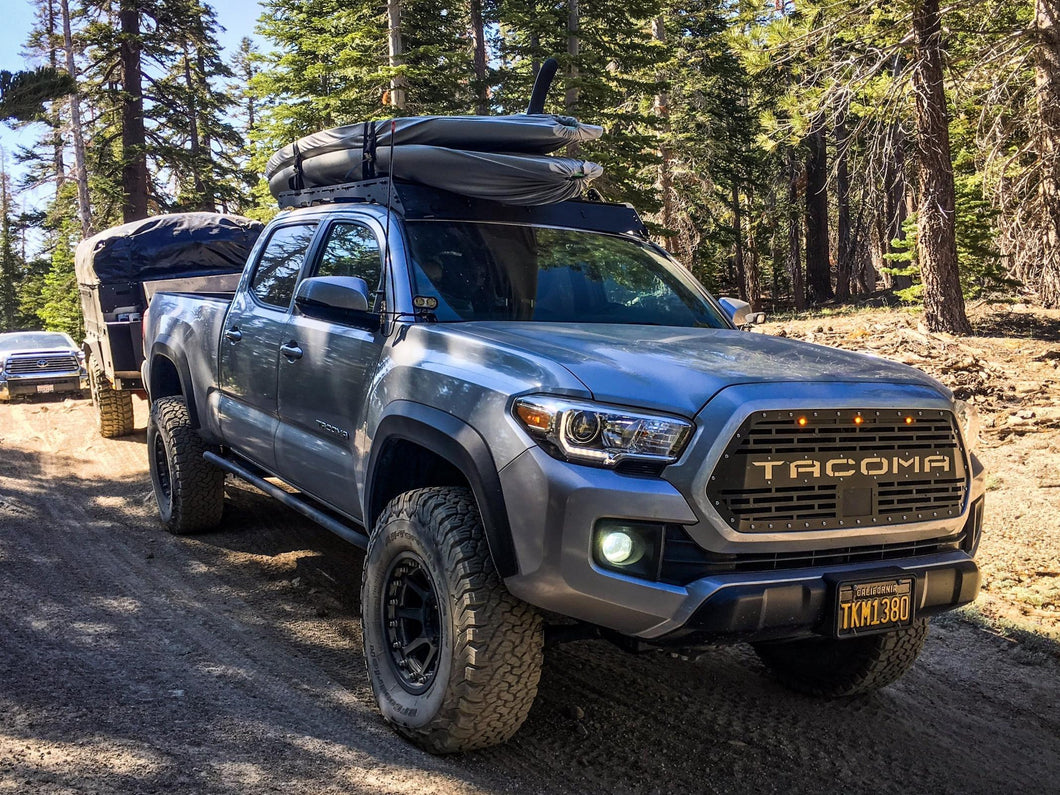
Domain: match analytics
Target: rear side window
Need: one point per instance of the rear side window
(277, 272)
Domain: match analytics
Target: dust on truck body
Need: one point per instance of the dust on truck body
(532, 418)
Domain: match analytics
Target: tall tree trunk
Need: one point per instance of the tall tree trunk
(133, 135)
(752, 263)
(737, 231)
(798, 282)
(84, 208)
(478, 39)
(842, 199)
(209, 190)
(1047, 93)
(936, 231)
(198, 185)
(896, 193)
(8, 265)
(571, 95)
(398, 83)
(818, 266)
(54, 116)
(662, 112)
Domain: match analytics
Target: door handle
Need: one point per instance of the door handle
(233, 334)
(291, 350)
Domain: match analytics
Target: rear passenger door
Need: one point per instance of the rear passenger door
(250, 343)
(322, 391)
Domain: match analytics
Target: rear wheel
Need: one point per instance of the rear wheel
(188, 489)
(114, 409)
(453, 658)
(832, 668)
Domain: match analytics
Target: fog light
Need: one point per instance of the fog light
(617, 547)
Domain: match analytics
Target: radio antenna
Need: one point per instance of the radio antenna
(389, 200)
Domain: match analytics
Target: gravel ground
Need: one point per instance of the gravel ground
(134, 661)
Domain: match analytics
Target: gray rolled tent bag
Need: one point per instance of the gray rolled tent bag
(501, 158)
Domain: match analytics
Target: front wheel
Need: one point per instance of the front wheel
(453, 658)
(188, 489)
(833, 668)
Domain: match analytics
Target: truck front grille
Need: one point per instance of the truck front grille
(788, 471)
(684, 561)
(45, 364)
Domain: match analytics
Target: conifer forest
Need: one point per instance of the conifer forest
(794, 153)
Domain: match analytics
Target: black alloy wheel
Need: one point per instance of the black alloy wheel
(162, 475)
(413, 623)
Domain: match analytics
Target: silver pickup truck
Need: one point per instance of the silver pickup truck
(540, 426)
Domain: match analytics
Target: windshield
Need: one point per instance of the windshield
(485, 271)
(34, 340)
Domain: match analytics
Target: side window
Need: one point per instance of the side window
(352, 250)
(277, 272)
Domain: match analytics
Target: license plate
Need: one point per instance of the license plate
(874, 606)
(44, 389)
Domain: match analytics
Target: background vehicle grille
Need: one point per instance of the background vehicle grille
(826, 469)
(29, 365)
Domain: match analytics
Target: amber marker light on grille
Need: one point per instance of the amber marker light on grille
(802, 422)
(534, 417)
(858, 420)
(908, 420)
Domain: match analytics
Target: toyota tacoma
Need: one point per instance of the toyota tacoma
(538, 424)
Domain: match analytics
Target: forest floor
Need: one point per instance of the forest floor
(135, 661)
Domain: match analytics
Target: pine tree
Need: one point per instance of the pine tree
(192, 108)
(11, 265)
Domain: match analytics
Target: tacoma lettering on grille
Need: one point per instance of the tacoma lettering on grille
(826, 469)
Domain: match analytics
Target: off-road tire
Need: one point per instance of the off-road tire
(114, 409)
(188, 489)
(489, 644)
(833, 668)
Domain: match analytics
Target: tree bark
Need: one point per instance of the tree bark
(198, 185)
(398, 84)
(842, 198)
(737, 231)
(751, 261)
(84, 207)
(54, 116)
(896, 208)
(818, 266)
(936, 231)
(478, 39)
(571, 95)
(662, 112)
(1047, 94)
(133, 134)
(798, 283)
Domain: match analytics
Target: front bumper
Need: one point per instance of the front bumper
(15, 386)
(560, 503)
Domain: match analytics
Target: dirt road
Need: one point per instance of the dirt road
(133, 661)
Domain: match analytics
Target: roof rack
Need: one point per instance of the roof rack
(373, 191)
(413, 201)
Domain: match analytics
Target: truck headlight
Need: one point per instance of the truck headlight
(968, 419)
(591, 433)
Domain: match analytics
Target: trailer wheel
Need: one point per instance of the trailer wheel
(188, 489)
(453, 658)
(114, 409)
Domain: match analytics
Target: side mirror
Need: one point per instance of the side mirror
(740, 313)
(333, 292)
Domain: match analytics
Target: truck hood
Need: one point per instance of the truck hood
(680, 369)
